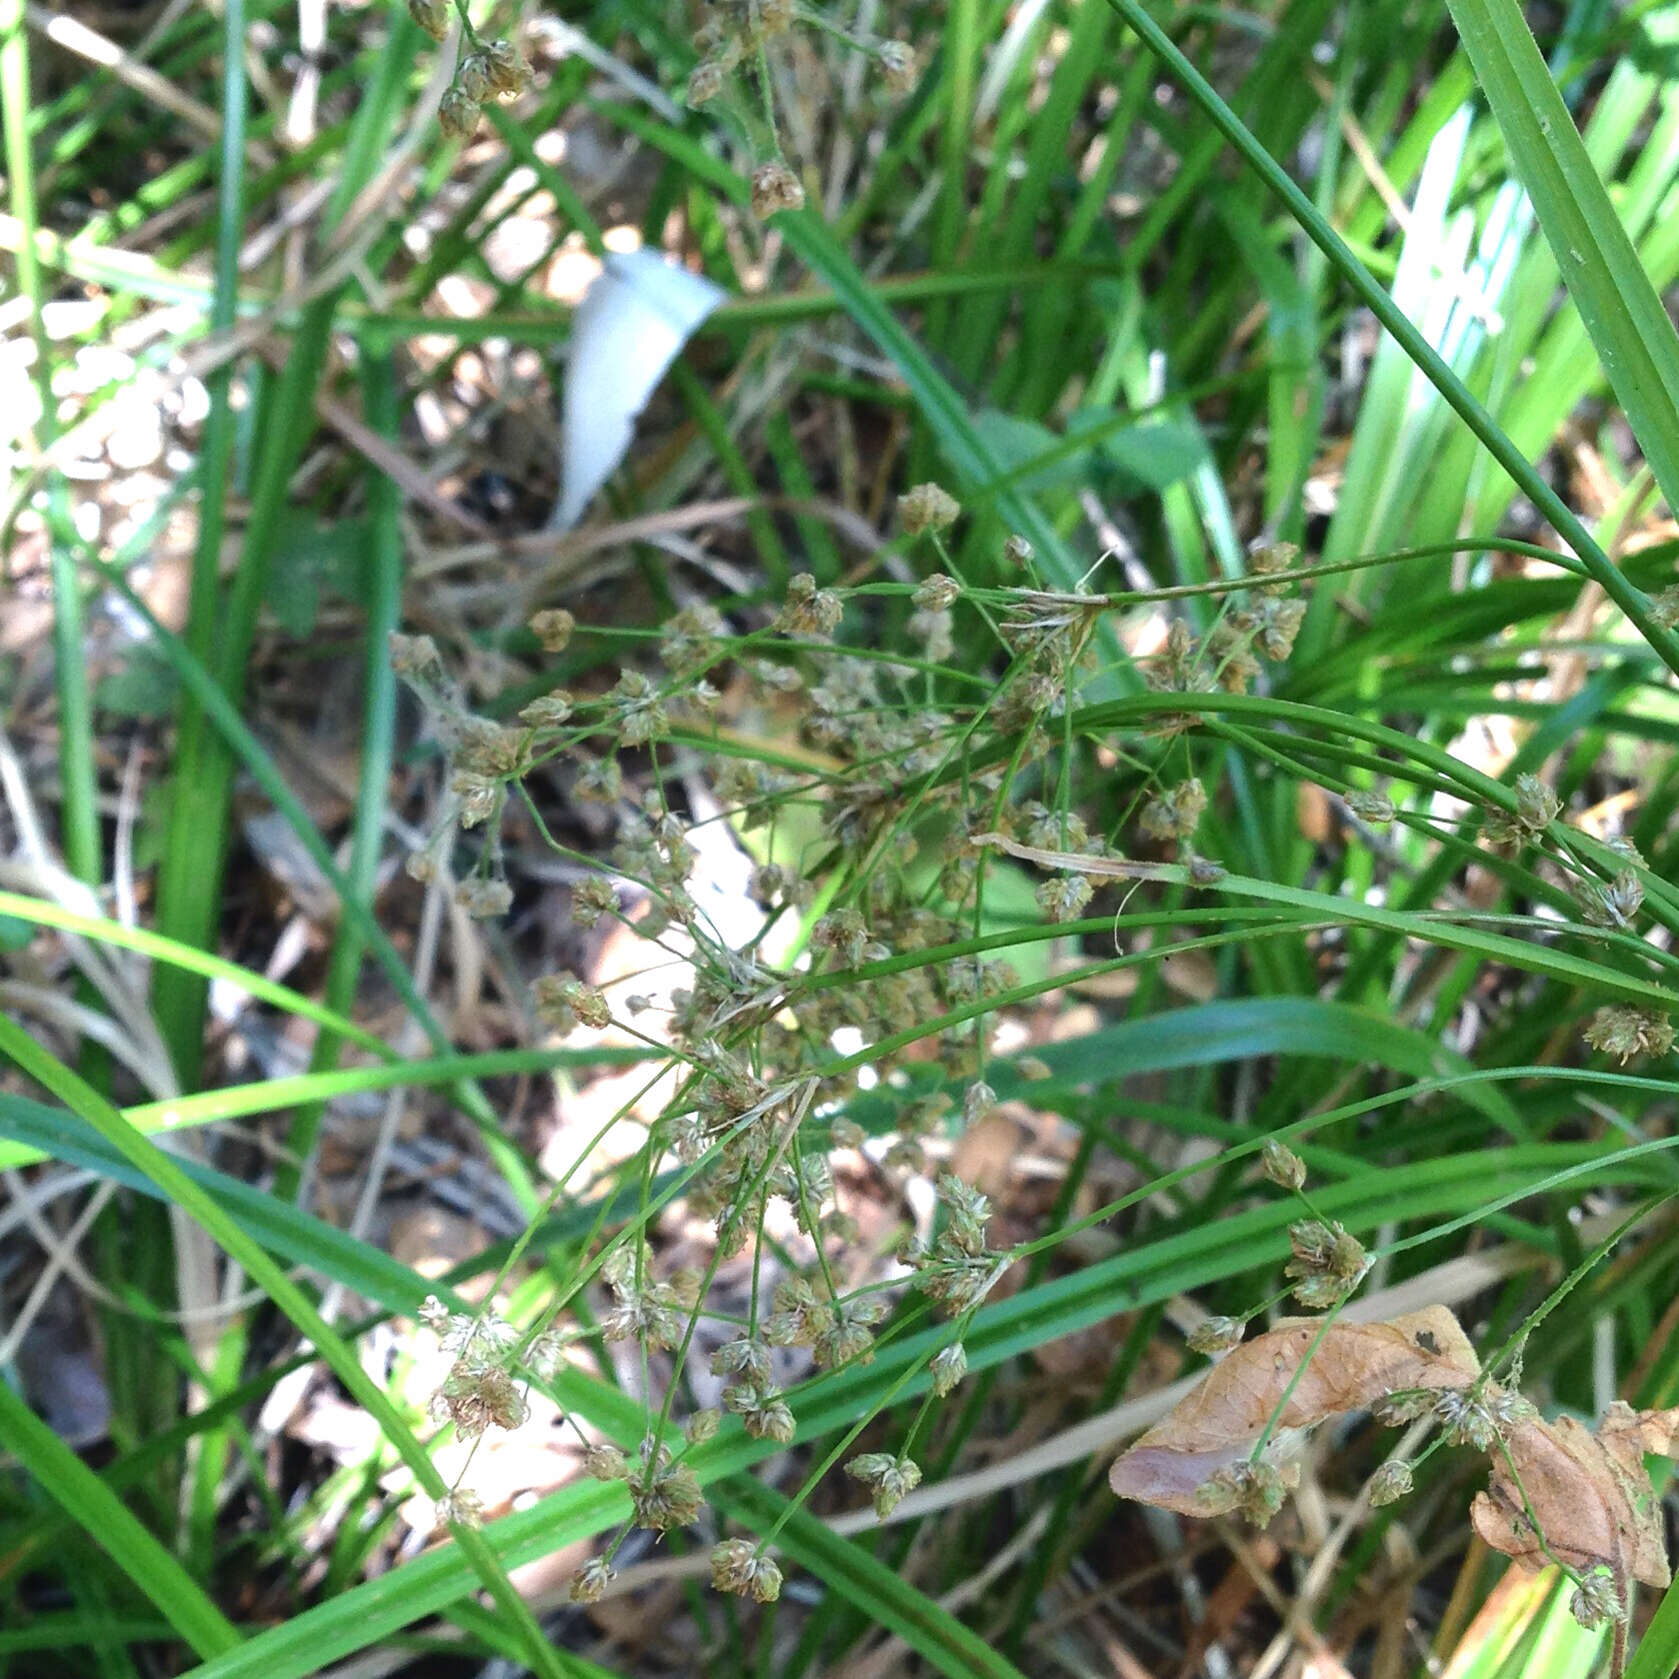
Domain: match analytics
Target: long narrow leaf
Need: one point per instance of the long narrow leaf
(105, 1519)
(1630, 328)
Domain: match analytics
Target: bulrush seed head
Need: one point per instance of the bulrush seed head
(1597, 1599)
(1174, 813)
(1254, 1490)
(509, 74)
(461, 1508)
(1626, 1032)
(937, 593)
(563, 1001)
(1216, 1335)
(1283, 1166)
(473, 78)
(457, 115)
(775, 188)
(1390, 1483)
(1065, 897)
(743, 1357)
(949, 1366)
(765, 1414)
(433, 16)
(1536, 808)
(589, 1583)
(1270, 558)
(928, 508)
(553, 628)
(737, 1568)
(706, 81)
(476, 1396)
(602, 1462)
(1613, 903)
(808, 610)
(889, 1479)
(1374, 808)
(898, 67)
(665, 1495)
(1328, 1263)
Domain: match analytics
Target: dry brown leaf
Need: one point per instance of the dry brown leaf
(1355, 1365)
(1589, 1493)
(1081, 862)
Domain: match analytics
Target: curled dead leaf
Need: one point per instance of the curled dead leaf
(1588, 1492)
(1216, 1426)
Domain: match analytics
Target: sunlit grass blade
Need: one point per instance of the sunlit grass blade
(75, 722)
(1627, 322)
(1629, 599)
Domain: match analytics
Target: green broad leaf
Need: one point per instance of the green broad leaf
(1017, 444)
(1207, 1034)
(315, 560)
(1151, 457)
(144, 685)
(429, 1583)
(1657, 1655)
(1034, 458)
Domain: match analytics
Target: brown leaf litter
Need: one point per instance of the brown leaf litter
(1588, 1499)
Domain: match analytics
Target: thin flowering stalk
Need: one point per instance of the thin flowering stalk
(467, 30)
(1531, 1518)
(1510, 1353)
(845, 1443)
(721, 1247)
(680, 1184)
(810, 1214)
(931, 1397)
(1274, 1421)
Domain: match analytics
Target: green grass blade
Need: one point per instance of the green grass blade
(191, 865)
(240, 1101)
(1657, 1655)
(198, 1204)
(75, 718)
(165, 950)
(104, 1518)
(378, 732)
(1630, 328)
(1630, 599)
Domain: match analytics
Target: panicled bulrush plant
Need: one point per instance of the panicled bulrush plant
(859, 958)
